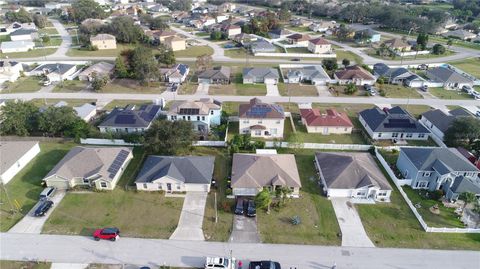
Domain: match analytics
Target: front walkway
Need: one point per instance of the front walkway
(191, 219)
(353, 233)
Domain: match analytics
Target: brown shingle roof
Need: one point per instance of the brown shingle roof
(319, 41)
(354, 71)
(314, 117)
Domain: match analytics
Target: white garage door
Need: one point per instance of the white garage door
(59, 184)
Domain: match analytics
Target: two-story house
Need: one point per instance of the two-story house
(129, 119)
(438, 121)
(104, 42)
(261, 119)
(203, 113)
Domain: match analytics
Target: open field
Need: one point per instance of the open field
(471, 66)
(343, 54)
(48, 31)
(24, 265)
(194, 51)
(398, 91)
(133, 86)
(23, 84)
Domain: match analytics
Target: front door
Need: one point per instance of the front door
(169, 187)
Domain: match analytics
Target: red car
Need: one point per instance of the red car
(107, 233)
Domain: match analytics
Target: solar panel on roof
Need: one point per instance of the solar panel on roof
(399, 123)
(125, 119)
(189, 111)
(117, 162)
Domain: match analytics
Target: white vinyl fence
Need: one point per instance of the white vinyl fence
(300, 55)
(353, 147)
(106, 142)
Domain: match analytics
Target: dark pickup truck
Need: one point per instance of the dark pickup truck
(264, 265)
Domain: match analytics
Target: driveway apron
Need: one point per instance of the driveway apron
(202, 89)
(191, 219)
(272, 89)
(244, 230)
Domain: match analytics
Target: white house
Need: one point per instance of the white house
(16, 46)
(203, 114)
(10, 71)
(14, 156)
(261, 119)
(319, 46)
(55, 72)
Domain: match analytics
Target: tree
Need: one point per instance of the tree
(56, 120)
(449, 42)
(438, 49)
(158, 23)
(40, 21)
(464, 132)
(45, 39)
(467, 198)
(125, 30)
(350, 89)
(216, 35)
(284, 14)
(145, 68)
(422, 41)
(165, 56)
(330, 64)
(168, 137)
(203, 62)
(21, 16)
(18, 118)
(121, 70)
(98, 81)
(85, 9)
(263, 200)
(346, 62)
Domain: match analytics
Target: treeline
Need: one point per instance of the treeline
(23, 16)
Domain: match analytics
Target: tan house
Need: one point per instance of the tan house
(330, 122)
(104, 42)
(99, 167)
(231, 30)
(261, 119)
(319, 46)
(251, 173)
(161, 35)
(175, 43)
(397, 44)
(298, 39)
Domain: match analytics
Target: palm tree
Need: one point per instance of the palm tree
(467, 198)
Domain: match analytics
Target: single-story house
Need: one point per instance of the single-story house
(261, 119)
(251, 173)
(176, 174)
(460, 34)
(245, 39)
(24, 34)
(261, 45)
(15, 155)
(16, 46)
(217, 75)
(10, 71)
(99, 167)
(330, 122)
(322, 26)
(398, 75)
(392, 124)
(279, 33)
(366, 36)
(260, 75)
(86, 111)
(352, 175)
(313, 74)
(319, 45)
(354, 74)
(299, 39)
(103, 41)
(397, 44)
(55, 72)
(129, 119)
(177, 74)
(439, 121)
(230, 29)
(100, 69)
(448, 77)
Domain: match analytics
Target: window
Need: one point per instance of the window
(259, 122)
(86, 181)
(422, 184)
(174, 117)
(379, 134)
(188, 117)
(273, 131)
(203, 117)
(409, 135)
(346, 129)
(421, 135)
(144, 185)
(258, 132)
(159, 186)
(361, 193)
(198, 118)
(103, 184)
(184, 117)
(382, 194)
(211, 112)
(394, 134)
(426, 174)
(278, 122)
(178, 186)
(245, 121)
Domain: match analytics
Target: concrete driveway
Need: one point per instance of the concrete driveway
(191, 219)
(244, 230)
(33, 225)
(202, 89)
(272, 89)
(353, 233)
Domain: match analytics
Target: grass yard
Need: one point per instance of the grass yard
(236, 53)
(48, 31)
(122, 103)
(4, 38)
(449, 94)
(23, 84)
(188, 88)
(71, 102)
(132, 86)
(194, 51)
(343, 54)
(471, 66)
(71, 86)
(297, 89)
(398, 91)
(202, 34)
(299, 50)
(24, 265)
(29, 54)
(318, 221)
(76, 52)
(25, 187)
(231, 108)
(339, 91)
(238, 88)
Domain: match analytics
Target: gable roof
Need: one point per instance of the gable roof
(187, 169)
(442, 120)
(446, 75)
(178, 70)
(222, 72)
(354, 72)
(99, 68)
(249, 170)
(260, 72)
(257, 109)
(382, 70)
(201, 107)
(319, 41)
(23, 31)
(299, 37)
(101, 37)
(86, 162)
(280, 32)
(5, 45)
(54, 68)
(131, 117)
(395, 119)
(313, 117)
(442, 160)
(463, 184)
(311, 72)
(261, 44)
(350, 170)
(396, 43)
(12, 151)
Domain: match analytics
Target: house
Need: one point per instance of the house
(246, 39)
(448, 77)
(299, 22)
(226, 7)
(129, 119)
(322, 26)
(176, 174)
(460, 34)
(161, 35)
(86, 111)
(260, 75)
(230, 30)
(177, 74)
(15, 155)
(330, 122)
(10, 28)
(392, 124)
(16, 46)
(23, 34)
(55, 72)
(299, 39)
(366, 36)
(159, 9)
(439, 121)
(397, 75)
(313, 74)
(250, 176)
(10, 71)
(354, 74)
(217, 75)
(221, 18)
(204, 113)
(261, 119)
(99, 69)
(175, 43)
(99, 167)
(439, 169)
(103, 42)
(398, 44)
(261, 45)
(352, 175)
(279, 33)
(319, 46)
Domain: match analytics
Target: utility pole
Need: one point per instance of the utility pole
(8, 198)
(216, 211)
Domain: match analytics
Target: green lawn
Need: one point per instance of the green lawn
(297, 89)
(5, 38)
(201, 34)
(24, 189)
(23, 84)
(238, 88)
(398, 91)
(236, 53)
(471, 66)
(299, 50)
(70, 86)
(99, 53)
(48, 31)
(319, 224)
(71, 102)
(194, 51)
(449, 94)
(415, 110)
(122, 103)
(24, 265)
(188, 88)
(133, 86)
(339, 91)
(303, 29)
(231, 108)
(342, 54)
(29, 54)
(372, 52)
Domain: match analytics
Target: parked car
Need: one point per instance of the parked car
(424, 88)
(43, 208)
(296, 60)
(251, 209)
(220, 263)
(47, 193)
(239, 208)
(477, 113)
(370, 89)
(264, 265)
(106, 233)
(467, 89)
(47, 83)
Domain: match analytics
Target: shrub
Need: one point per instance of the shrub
(296, 220)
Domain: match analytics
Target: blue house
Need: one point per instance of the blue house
(366, 36)
(439, 169)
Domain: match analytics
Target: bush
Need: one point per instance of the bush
(436, 195)
(296, 220)
(383, 93)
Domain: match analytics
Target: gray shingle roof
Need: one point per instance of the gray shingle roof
(11, 151)
(222, 72)
(130, 117)
(463, 184)
(446, 75)
(444, 159)
(22, 31)
(54, 68)
(395, 119)
(443, 121)
(188, 169)
(383, 70)
(252, 72)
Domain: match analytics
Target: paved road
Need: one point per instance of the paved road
(66, 40)
(191, 219)
(218, 52)
(78, 249)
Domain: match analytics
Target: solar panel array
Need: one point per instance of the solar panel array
(189, 111)
(125, 119)
(150, 115)
(259, 111)
(399, 123)
(117, 163)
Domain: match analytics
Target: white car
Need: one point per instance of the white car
(219, 263)
(47, 83)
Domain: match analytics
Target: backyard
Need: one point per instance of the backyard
(23, 84)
